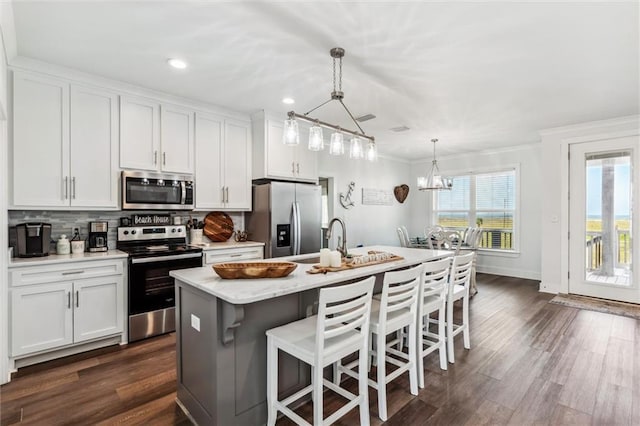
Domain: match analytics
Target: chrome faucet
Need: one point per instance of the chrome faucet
(342, 245)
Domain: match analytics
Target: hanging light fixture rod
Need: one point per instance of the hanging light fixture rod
(337, 53)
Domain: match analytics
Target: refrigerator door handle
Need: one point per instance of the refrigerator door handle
(298, 228)
(294, 229)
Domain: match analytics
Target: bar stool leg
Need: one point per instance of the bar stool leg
(363, 387)
(443, 340)
(272, 381)
(465, 321)
(413, 369)
(381, 376)
(421, 321)
(317, 396)
(450, 354)
(336, 372)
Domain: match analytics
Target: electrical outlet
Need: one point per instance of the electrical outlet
(195, 322)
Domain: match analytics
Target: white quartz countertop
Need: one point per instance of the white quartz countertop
(243, 291)
(229, 244)
(53, 259)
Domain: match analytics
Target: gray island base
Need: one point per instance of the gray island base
(220, 334)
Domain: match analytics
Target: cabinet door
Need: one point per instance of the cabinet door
(41, 317)
(280, 157)
(139, 133)
(177, 140)
(208, 179)
(40, 141)
(306, 163)
(237, 165)
(94, 147)
(98, 307)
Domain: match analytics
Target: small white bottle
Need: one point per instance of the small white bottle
(63, 246)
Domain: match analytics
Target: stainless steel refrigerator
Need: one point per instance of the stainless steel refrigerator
(286, 217)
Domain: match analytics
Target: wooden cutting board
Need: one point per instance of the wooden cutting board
(317, 269)
(218, 226)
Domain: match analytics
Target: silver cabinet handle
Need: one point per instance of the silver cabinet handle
(164, 158)
(222, 189)
(69, 300)
(235, 255)
(293, 167)
(226, 190)
(77, 299)
(155, 157)
(66, 187)
(73, 272)
(73, 187)
(298, 168)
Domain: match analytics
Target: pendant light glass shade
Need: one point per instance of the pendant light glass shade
(336, 146)
(355, 149)
(290, 136)
(316, 141)
(434, 181)
(372, 151)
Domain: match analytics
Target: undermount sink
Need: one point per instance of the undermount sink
(310, 260)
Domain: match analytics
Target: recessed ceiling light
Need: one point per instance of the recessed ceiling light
(288, 101)
(177, 63)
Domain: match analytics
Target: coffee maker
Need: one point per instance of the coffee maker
(98, 236)
(33, 239)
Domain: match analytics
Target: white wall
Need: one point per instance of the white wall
(5, 16)
(367, 224)
(555, 180)
(526, 262)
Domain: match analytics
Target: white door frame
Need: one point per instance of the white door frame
(577, 281)
(564, 190)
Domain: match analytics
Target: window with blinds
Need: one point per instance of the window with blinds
(486, 200)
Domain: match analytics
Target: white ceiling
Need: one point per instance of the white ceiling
(478, 75)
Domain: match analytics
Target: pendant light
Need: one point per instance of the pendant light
(434, 181)
(336, 146)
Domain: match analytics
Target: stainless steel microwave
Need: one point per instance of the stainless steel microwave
(156, 191)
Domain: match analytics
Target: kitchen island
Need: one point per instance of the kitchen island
(220, 333)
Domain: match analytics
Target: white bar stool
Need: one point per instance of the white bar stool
(397, 308)
(459, 281)
(433, 298)
(339, 329)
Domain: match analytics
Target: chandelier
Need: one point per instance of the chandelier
(291, 135)
(434, 180)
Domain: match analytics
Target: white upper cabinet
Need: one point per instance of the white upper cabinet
(155, 137)
(94, 148)
(177, 139)
(223, 159)
(274, 160)
(63, 159)
(40, 141)
(139, 133)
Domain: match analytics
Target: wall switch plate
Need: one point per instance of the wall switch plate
(195, 322)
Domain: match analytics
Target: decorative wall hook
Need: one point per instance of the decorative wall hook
(345, 200)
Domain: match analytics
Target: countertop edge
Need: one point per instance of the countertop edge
(54, 259)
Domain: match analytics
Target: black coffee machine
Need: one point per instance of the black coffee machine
(98, 236)
(32, 239)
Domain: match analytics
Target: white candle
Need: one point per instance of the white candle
(336, 259)
(325, 257)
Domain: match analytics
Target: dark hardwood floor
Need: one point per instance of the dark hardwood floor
(531, 362)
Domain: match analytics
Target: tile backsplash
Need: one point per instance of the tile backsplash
(63, 222)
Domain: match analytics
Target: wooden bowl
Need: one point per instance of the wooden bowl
(252, 270)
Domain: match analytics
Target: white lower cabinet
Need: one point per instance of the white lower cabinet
(50, 315)
(233, 254)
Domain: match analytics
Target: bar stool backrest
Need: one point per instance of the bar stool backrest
(435, 278)
(399, 293)
(461, 271)
(342, 310)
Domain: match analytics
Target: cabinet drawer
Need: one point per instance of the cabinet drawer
(64, 272)
(232, 255)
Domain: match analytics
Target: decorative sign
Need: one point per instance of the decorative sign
(346, 200)
(151, 219)
(378, 197)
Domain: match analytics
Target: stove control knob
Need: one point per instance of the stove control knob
(126, 232)
(173, 230)
(133, 232)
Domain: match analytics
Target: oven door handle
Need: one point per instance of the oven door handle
(165, 258)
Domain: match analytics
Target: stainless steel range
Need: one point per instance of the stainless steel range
(154, 251)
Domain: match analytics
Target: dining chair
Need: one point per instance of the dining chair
(471, 242)
(440, 239)
(432, 298)
(458, 289)
(404, 242)
(341, 328)
(396, 309)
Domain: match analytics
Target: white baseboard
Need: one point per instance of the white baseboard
(509, 272)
